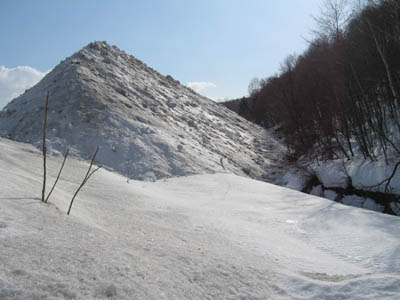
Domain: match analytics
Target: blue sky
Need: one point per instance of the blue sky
(221, 42)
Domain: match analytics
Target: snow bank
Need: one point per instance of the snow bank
(331, 195)
(366, 203)
(353, 200)
(332, 174)
(367, 175)
(363, 174)
(294, 179)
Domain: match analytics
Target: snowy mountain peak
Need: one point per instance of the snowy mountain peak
(148, 125)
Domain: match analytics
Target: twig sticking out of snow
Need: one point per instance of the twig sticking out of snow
(58, 176)
(44, 147)
(89, 173)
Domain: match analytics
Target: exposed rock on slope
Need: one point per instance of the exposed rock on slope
(147, 124)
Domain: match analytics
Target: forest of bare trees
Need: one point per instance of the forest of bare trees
(343, 91)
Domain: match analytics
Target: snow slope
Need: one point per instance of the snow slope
(147, 125)
(215, 236)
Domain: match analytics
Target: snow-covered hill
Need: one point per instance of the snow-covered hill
(147, 124)
(215, 236)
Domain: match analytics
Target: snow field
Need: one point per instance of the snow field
(199, 237)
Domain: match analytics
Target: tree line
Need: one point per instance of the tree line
(343, 92)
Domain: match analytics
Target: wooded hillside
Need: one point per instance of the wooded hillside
(343, 91)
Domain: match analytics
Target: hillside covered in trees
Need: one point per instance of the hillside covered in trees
(343, 92)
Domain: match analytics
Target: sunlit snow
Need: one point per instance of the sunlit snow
(215, 236)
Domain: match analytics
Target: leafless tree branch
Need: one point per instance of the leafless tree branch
(58, 176)
(89, 173)
(44, 147)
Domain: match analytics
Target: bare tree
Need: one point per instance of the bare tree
(254, 86)
(380, 49)
(334, 16)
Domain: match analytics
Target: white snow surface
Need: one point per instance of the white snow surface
(209, 236)
(331, 195)
(371, 175)
(332, 174)
(146, 124)
(294, 178)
